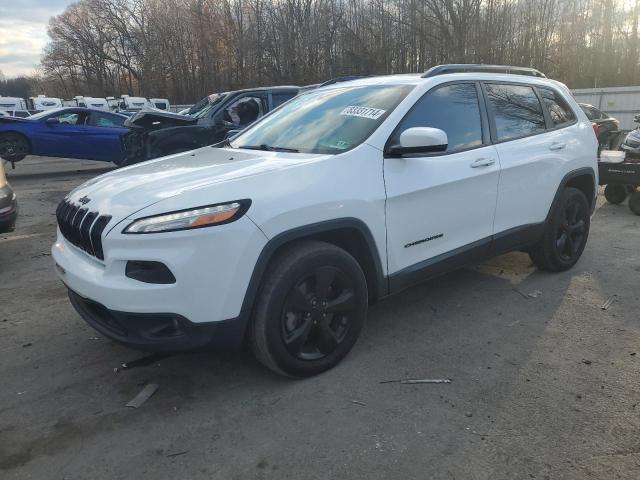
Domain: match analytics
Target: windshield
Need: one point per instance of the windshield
(204, 106)
(324, 121)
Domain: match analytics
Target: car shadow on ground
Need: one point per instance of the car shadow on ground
(415, 332)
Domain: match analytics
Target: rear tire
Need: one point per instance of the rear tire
(310, 310)
(634, 202)
(13, 147)
(565, 234)
(615, 193)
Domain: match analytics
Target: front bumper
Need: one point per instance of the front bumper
(211, 266)
(161, 332)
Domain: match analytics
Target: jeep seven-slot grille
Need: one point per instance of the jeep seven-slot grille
(82, 227)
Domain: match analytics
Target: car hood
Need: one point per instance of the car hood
(123, 192)
(154, 119)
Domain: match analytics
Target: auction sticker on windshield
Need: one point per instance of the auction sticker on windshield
(364, 112)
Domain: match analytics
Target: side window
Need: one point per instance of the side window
(71, 118)
(451, 108)
(560, 112)
(244, 111)
(516, 110)
(279, 98)
(105, 120)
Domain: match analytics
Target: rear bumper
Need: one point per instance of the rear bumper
(157, 332)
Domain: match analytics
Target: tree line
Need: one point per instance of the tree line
(185, 49)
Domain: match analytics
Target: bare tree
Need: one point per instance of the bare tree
(185, 49)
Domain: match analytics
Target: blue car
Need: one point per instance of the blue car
(64, 132)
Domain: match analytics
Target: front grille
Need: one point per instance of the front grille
(82, 227)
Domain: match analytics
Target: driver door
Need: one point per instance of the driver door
(440, 207)
(66, 137)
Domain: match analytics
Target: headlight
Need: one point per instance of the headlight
(193, 218)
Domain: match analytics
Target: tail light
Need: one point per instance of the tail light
(596, 128)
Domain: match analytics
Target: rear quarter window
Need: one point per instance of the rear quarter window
(559, 111)
(516, 111)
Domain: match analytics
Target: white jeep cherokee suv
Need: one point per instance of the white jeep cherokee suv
(338, 198)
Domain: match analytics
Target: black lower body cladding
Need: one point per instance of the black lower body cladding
(157, 332)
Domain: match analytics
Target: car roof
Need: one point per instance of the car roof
(82, 109)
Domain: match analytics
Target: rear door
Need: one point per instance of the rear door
(441, 204)
(534, 144)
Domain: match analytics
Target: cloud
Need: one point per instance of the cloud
(37, 11)
(23, 33)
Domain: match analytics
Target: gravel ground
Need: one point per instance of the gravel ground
(544, 381)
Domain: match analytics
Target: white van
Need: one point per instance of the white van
(42, 102)
(160, 103)
(87, 102)
(133, 103)
(12, 103)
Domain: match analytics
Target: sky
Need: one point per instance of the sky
(23, 33)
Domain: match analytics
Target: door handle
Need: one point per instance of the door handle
(482, 162)
(557, 146)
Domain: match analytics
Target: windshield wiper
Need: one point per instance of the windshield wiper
(269, 148)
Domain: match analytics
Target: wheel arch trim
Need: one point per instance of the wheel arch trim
(572, 175)
(300, 233)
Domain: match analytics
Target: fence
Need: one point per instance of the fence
(619, 102)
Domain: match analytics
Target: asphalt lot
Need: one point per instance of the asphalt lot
(544, 385)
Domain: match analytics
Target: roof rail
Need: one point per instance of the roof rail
(345, 78)
(480, 68)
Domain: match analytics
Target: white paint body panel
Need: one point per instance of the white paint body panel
(438, 195)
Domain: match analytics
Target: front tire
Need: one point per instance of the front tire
(13, 147)
(565, 235)
(310, 310)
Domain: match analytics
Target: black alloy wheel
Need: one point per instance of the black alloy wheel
(13, 147)
(566, 232)
(570, 234)
(317, 313)
(310, 309)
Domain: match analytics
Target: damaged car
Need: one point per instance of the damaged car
(157, 133)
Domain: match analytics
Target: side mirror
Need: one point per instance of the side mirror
(52, 121)
(420, 140)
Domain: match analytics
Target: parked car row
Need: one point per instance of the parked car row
(156, 134)
(607, 127)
